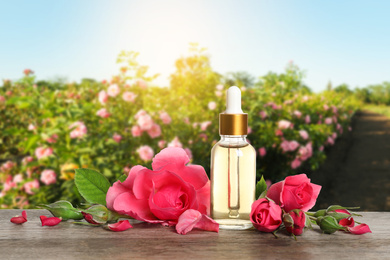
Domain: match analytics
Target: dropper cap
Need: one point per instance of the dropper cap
(233, 121)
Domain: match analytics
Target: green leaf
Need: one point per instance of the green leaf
(92, 185)
(122, 178)
(261, 186)
(63, 209)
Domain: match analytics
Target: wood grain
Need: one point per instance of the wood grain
(150, 241)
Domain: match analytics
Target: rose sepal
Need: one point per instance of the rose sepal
(63, 209)
(329, 224)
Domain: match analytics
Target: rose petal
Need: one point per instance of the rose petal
(194, 219)
(360, 229)
(121, 225)
(52, 221)
(275, 193)
(347, 222)
(20, 219)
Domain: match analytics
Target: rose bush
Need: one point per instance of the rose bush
(113, 125)
(161, 195)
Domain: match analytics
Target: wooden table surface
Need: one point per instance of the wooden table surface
(69, 241)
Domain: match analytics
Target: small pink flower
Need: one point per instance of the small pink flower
(121, 225)
(218, 93)
(212, 105)
(307, 119)
(284, 124)
(43, 152)
(304, 134)
(78, 130)
(2, 99)
(129, 96)
(48, 177)
(136, 131)
(330, 140)
(103, 97)
(145, 152)
(117, 138)
(52, 139)
(262, 151)
(326, 107)
(161, 144)
(31, 127)
(165, 118)
(30, 186)
(321, 148)
(297, 113)
(142, 84)
(278, 132)
(8, 165)
(188, 152)
(28, 72)
(334, 136)
(289, 146)
(103, 113)
(145, 122)
(296, 163)
(249, 130)
(175, 143)
(191, 219)
(328, 120)
(18, 178)
(20, 219)
(263, 114)
(9, 184)
(204, 125)
(219, 87)
(154, 131)
(349, 128)
(113, 90)
(52, 221)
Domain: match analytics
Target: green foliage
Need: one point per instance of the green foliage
(92, 185)
(41, 114)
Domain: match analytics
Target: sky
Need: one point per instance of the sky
(337, 41)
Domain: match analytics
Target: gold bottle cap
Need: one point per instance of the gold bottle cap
(233, 124)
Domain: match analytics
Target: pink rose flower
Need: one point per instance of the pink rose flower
(136, 131)
(289, 146)
(296, 163)
(263, 115)
(175, 143)
(191, 219)
(328, 121)
(117, 138)
(326, 107)
(205, 125)
(161, 144)
(2, 99)
(297, 113)
(304, 134)
(43, 152)
(48, 177)
(142, 84)
(330, 140)
(284, 124)
(8, 165)
(219, 87)
(103, 97)
(334, 136)
(103, 113)
(161, 195)
(79, 130)
(154, 131)
(295, 192)
(165, 118)
(145, 122)
(218, 93)
(265, 215)
(30, 186)
(113, 90)
(307, 119)
(145, 152)
(262, 151)
(140, 113)
(129, 96)
(295, 222)
(18, 178)
(212, 105)
(321, 148)
(27, 159)
(31, 127)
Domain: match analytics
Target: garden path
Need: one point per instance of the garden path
(357, 170)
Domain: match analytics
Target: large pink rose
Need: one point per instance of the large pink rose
(161, 195)
(295, 192)
(265, 215)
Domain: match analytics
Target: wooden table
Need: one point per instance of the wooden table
(69, 241)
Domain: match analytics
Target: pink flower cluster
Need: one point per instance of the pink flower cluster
(79, 130)
(145, 123)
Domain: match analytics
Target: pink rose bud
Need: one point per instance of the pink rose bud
(20, 219)
(265, 215)
(295, 222)
(121, 225)
(52, 221)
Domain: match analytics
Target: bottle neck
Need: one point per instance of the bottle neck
(233, 140)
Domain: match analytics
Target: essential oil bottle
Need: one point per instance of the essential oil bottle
(233, 168)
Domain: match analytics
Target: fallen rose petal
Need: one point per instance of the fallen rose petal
(52, 221)
(360, 229)
(121, 225)
(20, 219)
(191, 219)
